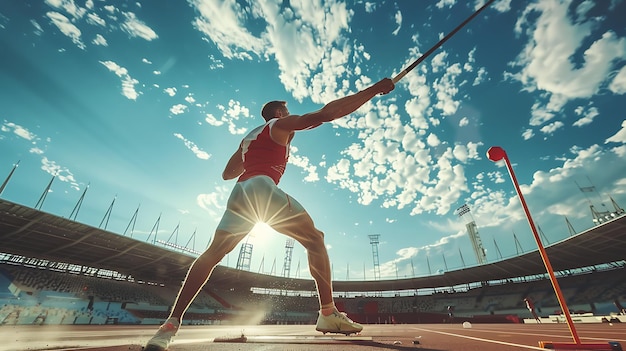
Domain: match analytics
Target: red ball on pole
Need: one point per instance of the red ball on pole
(495, 153)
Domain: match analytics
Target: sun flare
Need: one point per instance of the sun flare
(260, 230)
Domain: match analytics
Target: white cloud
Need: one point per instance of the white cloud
(445, 3)
(232, 113)
(304, 163)
(398, 18)
(128, 83)
(393, 165)
(464, 153)
(619, 137)
(370, 7)
(215, 63)
(38, 30)
(550, 61)
(471, 59)
(210, 119)
(99, 40)
(136, 28)
(502, 5)
(527, 134)
(460, 153)
(236, 110)
(67, 28)
(339, 171)
(463, 121)
(438, 61)
(68, 6)
(432, 140)
(178, 109)
(61, 173)
(94, 19)
(18, 130)
(551, 127)
(618, 84)
(305, 40)
(36, 151)
(449, 185)
(201, 154)
(446, 89)
(226, 30)
(419, 106)
(214, 203)
(481, 76)
(587, 116)
(583, 9)
(170, 91)
(51, 167)
(540, 114)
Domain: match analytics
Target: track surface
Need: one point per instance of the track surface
(426, 337)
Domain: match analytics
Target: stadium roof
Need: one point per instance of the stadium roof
(35, 234)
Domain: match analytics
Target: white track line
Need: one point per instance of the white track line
(483, 340)
(565, 336)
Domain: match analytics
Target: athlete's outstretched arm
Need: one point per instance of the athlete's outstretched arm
(234, 167)
(335, 109)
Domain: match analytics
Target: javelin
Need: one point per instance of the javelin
(431, 50)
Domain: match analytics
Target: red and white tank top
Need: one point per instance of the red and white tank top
(262, 155)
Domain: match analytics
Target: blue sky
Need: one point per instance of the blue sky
(143, 102)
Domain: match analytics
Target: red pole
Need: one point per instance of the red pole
(496, 153)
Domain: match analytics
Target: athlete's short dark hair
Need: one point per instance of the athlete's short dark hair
(269, 108)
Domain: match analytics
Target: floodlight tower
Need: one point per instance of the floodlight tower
(245, 256)
(472, 231)
(374, 242)
(600, 216)
(6, 181)
(288, 252)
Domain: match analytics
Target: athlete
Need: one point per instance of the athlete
(531, 308)
(259, 163)
(450, 313)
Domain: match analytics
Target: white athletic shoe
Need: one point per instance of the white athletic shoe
(161, 340)
(338, 322)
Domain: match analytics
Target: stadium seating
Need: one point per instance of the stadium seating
(36, 295)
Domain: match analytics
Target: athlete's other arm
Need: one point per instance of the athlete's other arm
(234, 167)
(335, 109)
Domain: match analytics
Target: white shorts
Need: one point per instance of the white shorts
(255, 200)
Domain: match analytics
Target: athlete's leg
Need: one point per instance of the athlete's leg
(301, 228)
(287, 216)
(197, 276)
(232, 228)
(201, 269)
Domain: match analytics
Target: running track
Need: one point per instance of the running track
(425, 337)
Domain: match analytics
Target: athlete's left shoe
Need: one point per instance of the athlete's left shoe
(161, 340)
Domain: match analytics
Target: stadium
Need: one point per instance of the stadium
(142, 104)
(56, 271)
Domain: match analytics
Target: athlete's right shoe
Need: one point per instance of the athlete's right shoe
(161, 340)
(337, 322)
